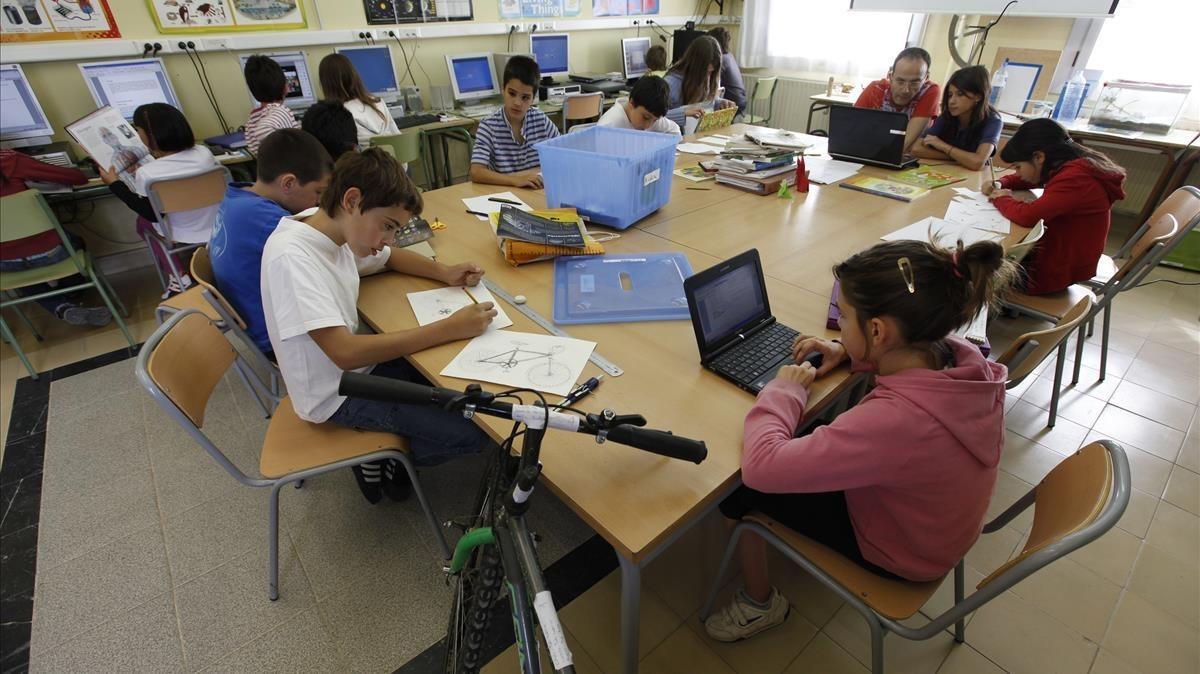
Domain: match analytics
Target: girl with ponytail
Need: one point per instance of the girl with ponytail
(900, 482)
(1080, 184)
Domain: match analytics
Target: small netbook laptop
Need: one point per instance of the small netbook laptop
(869, 136)
(738, 337)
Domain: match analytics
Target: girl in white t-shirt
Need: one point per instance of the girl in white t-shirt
(341, 82)
(166, 132)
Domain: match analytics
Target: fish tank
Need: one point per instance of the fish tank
(1139, 106)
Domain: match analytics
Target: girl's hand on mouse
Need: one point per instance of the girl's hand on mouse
(833, 353)
(802, 374)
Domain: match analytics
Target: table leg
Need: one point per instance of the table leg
(811, 109)
(631, 600)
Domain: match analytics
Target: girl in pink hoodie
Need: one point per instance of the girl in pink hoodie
(900, 482)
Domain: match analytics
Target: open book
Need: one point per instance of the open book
(111, 142)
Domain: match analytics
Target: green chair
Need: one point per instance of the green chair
(27, 214)
(407, 147)
(763, 95)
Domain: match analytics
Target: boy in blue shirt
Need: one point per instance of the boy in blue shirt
(504, 152)
(293, 171)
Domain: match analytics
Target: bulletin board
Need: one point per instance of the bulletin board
(1030, 59)
(202, 16)
(44, 20)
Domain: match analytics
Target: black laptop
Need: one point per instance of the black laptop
(738, 337)
(869, 136)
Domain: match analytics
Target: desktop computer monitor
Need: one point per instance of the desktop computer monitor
(633, 54)
(127, 84)
(374, 66)
(550, 50)
(300, 93)
(472, 76)
(22, 120)
(681, 39)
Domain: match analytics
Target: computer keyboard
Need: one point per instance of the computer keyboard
(56, 158)
(757, 353)
(415, 120)
(479, 110)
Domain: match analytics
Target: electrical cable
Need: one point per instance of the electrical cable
(407, 60)
(207, 81)
(1171, 281)
(204, 86)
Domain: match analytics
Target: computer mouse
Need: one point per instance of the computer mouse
(815, 359)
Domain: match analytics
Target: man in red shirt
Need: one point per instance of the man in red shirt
(41, 250)
(906, 89)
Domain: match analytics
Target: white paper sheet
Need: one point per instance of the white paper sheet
(713, 140)
(942, 233)
(484, 204)
(698, 148)
(984, 216)
(971, 194)
(431, 306)
(825, 171)
(521, 359)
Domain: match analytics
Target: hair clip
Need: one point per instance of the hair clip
(906, 272)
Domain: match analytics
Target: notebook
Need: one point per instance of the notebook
(737, 336)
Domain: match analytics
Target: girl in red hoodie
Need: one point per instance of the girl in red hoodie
(1081, 185)
(899, 483)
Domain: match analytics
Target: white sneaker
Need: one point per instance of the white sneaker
(741, 619)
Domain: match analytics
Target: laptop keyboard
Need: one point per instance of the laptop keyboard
(756, 355)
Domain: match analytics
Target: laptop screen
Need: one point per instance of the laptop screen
(867, 134)
(727, 298)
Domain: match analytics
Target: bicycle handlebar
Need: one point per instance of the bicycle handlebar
(622, 430)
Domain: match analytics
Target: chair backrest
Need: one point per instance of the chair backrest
(202, 273)
(581, 127)
(1183, 203)
(1030, 349)
(185, 359)
(25, 214)
(583, 106)
(764, 88)
(1080, 499)
(1018, 251)
(1158, 233)
(404, 146)
(186, 193)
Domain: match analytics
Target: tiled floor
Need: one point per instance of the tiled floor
(170, 575)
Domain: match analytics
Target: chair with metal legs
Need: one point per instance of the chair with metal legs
(1076, 503)
(1030, 349)
(170, 196)
(179, 367)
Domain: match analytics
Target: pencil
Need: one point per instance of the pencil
(992, 169)
(468, 292)
(699, 189)
(484, 215)
(502, 200)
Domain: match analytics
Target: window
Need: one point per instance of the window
(821, 37)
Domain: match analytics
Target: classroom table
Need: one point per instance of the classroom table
(639, 502)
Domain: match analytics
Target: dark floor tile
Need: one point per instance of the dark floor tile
(28, 417)
(79, 367)
(22, 504)
(32, 389)
(18, 558)
(14, 647)
(23, 458)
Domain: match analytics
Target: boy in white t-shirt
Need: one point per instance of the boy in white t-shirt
(311, 266)
(644, 110)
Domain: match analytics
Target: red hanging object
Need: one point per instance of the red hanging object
(801, 176)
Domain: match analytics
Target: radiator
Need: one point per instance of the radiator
(1142, 168)
(790, 107)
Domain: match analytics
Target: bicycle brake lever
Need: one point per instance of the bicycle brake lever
(608, 419)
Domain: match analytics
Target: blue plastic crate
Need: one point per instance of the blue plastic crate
(614, 176)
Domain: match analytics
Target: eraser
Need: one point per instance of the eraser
(519, 299)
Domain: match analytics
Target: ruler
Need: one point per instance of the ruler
(547, 325)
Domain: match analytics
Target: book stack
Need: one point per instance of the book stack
(541, 234)
(755, 168)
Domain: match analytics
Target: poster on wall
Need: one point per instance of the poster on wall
(198, 16)
(382, 12)
(624, 7)
(41, 20)
(538, 9)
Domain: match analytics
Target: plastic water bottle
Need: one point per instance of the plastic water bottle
(1071, 99)
(999, 80)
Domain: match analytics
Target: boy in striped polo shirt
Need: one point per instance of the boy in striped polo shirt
(504, 152)
(268, 85)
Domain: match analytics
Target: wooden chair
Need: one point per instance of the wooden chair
(1030, 349)
(581, 106)
(208, 300)
(1076, 503)
(763, 94)
(182, 363)
(1145, 253)
(1183, 203)
(27, 214)
(178, 194)
(580, 127)
(1018, 251)
(407, 147)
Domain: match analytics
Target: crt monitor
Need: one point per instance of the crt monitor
(472, 76)
(680, 40)
(374, 66)
(633, 54)
(300, 93)
(550, 50)
(22, 120)
(127, 84)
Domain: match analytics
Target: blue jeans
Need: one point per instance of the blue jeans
(36, 261)
(434, 435)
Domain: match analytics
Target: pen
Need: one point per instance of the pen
(502, 200)
(699, 189)
(468, 292)
(581, 392)
(992, 169)
(482, 215)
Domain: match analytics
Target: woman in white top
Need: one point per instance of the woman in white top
(167, 134)
(341, 82)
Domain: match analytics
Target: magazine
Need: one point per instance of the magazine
(111, 142)
(416, 231)
(695, 173)
(521, 226)
(926, 176)
(884, 188)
